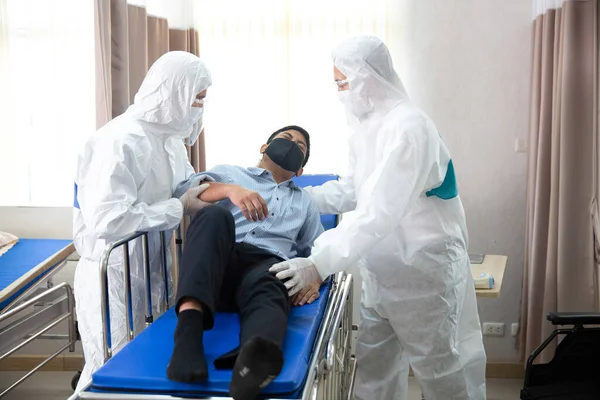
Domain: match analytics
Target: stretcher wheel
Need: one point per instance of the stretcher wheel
(75, 380)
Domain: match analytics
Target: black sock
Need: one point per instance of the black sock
(227, 360)
(259, 362)
(188, 363)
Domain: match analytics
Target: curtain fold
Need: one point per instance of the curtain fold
(119, 61)
(158, 38)
(102, 57)
(560, 271)
(595, 204)
(137, 19)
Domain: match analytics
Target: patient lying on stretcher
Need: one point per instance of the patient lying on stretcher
(261, 219)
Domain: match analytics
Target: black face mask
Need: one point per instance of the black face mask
(286, 154)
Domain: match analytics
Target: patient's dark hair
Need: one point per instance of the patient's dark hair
(297, 129)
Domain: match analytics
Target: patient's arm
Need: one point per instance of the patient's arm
(222, 186)
(252, 205)
(216, 191)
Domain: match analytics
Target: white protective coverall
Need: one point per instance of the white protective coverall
(126, 175)
(407, 231)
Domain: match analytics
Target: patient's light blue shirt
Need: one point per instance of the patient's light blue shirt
(293, 223)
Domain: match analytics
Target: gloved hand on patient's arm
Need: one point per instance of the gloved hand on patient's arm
(191, 200)
(296, 274)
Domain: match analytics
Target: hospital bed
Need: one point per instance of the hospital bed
(573, 372)
(30, 305)
(318, 359)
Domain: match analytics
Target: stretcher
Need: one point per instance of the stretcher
(30, 305)
(318, 359)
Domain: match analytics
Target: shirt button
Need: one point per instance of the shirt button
(272, 214)
(253, 232)
(278, 198)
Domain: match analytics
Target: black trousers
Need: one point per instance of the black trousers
(232, 277)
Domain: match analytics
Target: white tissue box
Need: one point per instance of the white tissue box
(483, 281)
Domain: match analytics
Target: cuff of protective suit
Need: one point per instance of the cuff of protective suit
(191, 182)
(180, 211)
(323, 272)
(198, 179)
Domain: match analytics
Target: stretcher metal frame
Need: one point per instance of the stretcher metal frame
(37, 310)
(331, 369)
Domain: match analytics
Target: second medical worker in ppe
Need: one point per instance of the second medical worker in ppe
(406, 229)
(125, 178)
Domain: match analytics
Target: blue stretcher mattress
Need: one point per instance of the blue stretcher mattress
(140, 367)
(22, 259)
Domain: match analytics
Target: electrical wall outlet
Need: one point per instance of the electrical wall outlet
(493, 329)
(514, 329)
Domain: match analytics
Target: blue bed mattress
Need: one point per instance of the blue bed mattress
(140, 367)
(23, 263)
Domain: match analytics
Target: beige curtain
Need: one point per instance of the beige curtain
(560, 271)
(128, 41)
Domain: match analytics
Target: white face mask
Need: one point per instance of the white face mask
(355, 107)
(344, 96)
(355, 104)
(197, 113)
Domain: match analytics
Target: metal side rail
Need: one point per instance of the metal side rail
(24, 323)
(335, 370)
(106, 330)
(37, 288)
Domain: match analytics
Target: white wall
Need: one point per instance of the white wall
(467, 63)
(37, 222)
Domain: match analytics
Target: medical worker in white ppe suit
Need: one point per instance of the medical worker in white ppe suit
(126, 175)
(406, 229)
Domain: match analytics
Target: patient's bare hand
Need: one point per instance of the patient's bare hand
(252, 205)
(307, 295)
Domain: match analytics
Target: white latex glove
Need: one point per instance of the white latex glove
(301, 272)
(191, 200)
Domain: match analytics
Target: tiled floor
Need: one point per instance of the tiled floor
(42, 385)
(57, 386)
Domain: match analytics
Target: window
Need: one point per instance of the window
(47, 99)
(271, 66)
